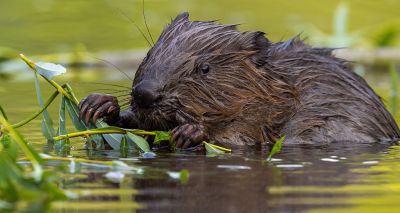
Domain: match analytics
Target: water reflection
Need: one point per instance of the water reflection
(339, 177)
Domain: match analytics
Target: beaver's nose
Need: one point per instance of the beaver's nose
(145, 93)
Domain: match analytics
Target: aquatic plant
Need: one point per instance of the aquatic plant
(276, 148)
(32, 188)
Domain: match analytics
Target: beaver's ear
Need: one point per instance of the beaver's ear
(260, 45)
(184, 16)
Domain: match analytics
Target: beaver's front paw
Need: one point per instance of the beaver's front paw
(99, 105)
(188, 135)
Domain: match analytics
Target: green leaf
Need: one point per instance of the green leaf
(213, 149)
(47, 123)
(62, 129)
(49, 70)
(276, 148)
(161, 136)
(139, 142)
(114, 140)
(73, 112)
(46, 131)
(124, 147)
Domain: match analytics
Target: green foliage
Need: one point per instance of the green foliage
(114, 140)
(47, 123)
(161, 136)
(62, 145)
(31, 186)
(138, 141)
(276, 148)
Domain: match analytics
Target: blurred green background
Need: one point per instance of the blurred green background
(51, 26)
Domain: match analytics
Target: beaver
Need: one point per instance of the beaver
(209, 81)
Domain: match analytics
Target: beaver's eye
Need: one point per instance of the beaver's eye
(204, 68)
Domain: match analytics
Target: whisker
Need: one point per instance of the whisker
(125, 99)
(113, 65)
(137, 27)
(112, 90)
(125, 103)
(145, 23)
(124, 108)
(126, 94)
(107, 84)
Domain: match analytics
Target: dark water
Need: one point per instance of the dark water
(337, 178)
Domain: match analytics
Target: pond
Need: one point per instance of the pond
(299, 179)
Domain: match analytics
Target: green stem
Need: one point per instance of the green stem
(3, 113)
(32, 65)
(36, 114)
(95, 131)
(71, 92)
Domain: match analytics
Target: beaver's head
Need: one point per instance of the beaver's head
(200, 72)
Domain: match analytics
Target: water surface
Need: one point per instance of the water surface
(333, 178)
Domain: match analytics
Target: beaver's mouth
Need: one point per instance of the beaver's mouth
(158, 116)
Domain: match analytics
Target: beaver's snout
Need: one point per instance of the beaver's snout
(145, 93)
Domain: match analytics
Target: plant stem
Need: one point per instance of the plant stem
(3, 113)
(71, 92)
(94, 132)
(36, 114)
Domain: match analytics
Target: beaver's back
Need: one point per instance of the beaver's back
(333, 103)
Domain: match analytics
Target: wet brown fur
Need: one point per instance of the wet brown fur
(257, 91)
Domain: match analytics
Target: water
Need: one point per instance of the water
(333, 178)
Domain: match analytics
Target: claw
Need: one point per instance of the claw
(179, 143)
(112, 108)
(83, 101)
(188, 135)
(88, 114)
(96, 116)
(83, 110)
